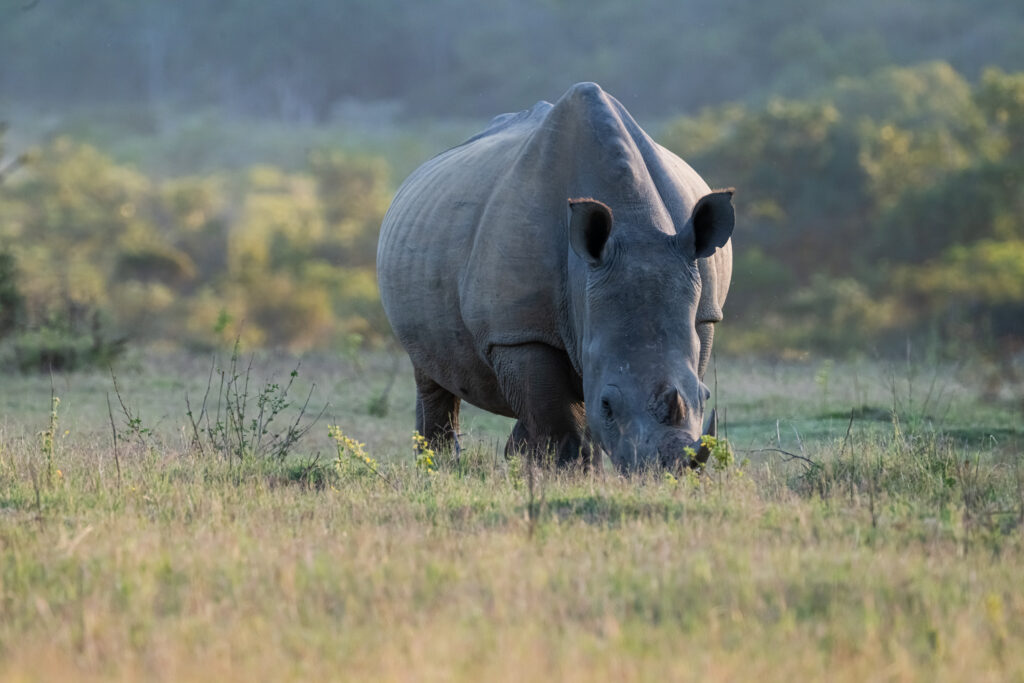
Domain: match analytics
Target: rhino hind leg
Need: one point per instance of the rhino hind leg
(544, 393)
(437, 413)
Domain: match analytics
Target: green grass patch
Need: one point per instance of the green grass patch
(887, 546)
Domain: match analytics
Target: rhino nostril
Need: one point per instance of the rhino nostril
(677, 412)
(671, 461)
(667, 407)
(676, 408)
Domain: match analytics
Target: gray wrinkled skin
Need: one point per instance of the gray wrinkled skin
(563, 269)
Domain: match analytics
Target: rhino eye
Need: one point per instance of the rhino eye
(606, 410)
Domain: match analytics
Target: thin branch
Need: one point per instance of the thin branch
(113, 430)
(846, 439)
(789, 455)
(799, 442)
(195, 427)
(294, 432)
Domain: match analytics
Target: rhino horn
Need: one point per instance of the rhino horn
(703, 452)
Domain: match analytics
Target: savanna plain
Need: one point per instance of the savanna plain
(193, 517)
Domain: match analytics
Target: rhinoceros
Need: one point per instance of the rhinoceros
(563, 269)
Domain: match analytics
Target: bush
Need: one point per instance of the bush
(286, 257)
(58, 348)
(12, 302)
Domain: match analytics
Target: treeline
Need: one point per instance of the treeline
(94, 254)
(879, 209)
(883, 208)
(300, 60)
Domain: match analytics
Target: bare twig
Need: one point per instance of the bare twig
(134, 422)
(113, 429)
(871, 498)
(196, 440)
(1020, 491)
(52, 432)
(294, 431)
(846, 439)
(533, 506)
(35, 487)
(799, 442)
(789, 455)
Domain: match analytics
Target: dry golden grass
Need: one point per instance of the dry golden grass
(889, 560)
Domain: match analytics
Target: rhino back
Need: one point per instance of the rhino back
(450, 284)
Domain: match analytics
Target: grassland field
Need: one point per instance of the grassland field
(869, 527)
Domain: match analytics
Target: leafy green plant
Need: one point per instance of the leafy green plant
(242, 422)
(352, 458)
(423, 453)
(64, 346)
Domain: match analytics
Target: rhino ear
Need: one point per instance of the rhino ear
(712, 222)
(590, 224)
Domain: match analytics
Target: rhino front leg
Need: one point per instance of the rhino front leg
(437, 412)
(540, 386)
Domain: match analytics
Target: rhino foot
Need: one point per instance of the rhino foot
(437, 413)
(544, 392)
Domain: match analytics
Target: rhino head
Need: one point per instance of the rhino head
(639, 350)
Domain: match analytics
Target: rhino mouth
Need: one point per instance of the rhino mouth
(675, 452)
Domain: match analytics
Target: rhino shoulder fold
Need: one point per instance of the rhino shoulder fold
(503, 122)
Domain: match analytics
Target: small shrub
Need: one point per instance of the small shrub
(58, 347)
(243, 424)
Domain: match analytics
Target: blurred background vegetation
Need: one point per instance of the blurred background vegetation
(179, 174)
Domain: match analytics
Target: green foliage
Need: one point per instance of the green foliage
(865, 210)
(352, 459)
(883, 204)
(12, 302)
(63, 344)
(281, 259)
(424, 456)
(769, 153)
(974, 293)
(353, 191)
(1001, 98)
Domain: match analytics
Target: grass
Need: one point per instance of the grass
(892, 553)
